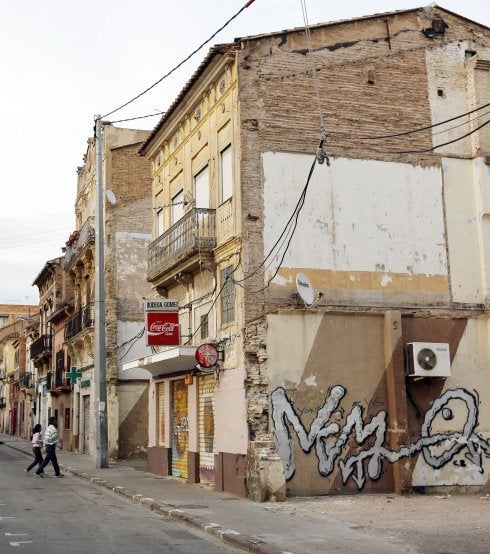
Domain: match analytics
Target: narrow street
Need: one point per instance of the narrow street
(37, 516)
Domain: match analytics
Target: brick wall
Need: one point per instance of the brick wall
(372, 79)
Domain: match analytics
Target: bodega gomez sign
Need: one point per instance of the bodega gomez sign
(162, 326)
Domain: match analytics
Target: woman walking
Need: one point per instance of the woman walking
(37, 443)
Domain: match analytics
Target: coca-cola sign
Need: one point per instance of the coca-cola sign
(162, 329)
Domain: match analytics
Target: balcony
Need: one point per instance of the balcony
(60, 385)
(78, 241)
(83, 319)
(26, 381)
(183, 246)
(41, 347)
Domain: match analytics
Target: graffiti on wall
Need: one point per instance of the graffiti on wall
(329, 438)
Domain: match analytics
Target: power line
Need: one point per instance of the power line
(419, 129)
(32, 235)
(438, 145)
(250, 2)
(138, 117)
(313, 70)
(302, 201)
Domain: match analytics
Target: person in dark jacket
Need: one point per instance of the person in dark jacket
(51, 441)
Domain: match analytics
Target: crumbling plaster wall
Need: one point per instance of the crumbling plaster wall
(128, 233)
(372, 74)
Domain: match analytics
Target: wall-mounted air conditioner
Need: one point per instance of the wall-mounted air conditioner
(428, 359)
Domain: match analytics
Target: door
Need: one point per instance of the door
(86, 424)
(180, 429)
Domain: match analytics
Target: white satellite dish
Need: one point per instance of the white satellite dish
(304, 288)
(111, 196)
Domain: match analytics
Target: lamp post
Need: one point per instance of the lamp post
(100, 378)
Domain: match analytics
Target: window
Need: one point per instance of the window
(67, 418)
(161, 413)
(226, 174)
(159, 222)
(60, 368)
(204, 326)
(201, 188)
(227, 296)
(177, 206)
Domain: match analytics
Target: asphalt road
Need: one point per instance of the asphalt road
(67, 515)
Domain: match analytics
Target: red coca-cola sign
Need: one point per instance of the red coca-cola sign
(162, 329)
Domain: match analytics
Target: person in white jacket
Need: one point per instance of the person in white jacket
(37, 444)
(50, 441)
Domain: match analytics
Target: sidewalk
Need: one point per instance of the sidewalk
(366, 524)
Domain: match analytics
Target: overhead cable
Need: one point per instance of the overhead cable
(340, 140)
(138, 117)
(313, 70)
(438, 145)
(300, 206)
(250, 2)
(419, 129)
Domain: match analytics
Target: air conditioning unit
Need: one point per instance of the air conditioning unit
(428, 359)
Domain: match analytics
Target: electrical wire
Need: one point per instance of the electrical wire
(438, 145)
(133, 341)
(249, 3)
(138, 117)
(290, 227)
(313, 70)
(419, 129)
(301, 203)
(207, 313)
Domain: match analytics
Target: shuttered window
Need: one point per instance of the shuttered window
(161, 413)
(206, 427)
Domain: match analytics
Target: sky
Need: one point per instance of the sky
(64, 61)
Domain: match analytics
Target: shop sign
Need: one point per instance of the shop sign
(161, 305)
(162, 329)
(207, 355)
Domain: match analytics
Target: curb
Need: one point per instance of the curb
(228, 536)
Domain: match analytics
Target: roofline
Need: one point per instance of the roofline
(213, 51)
(362, 18)
(48, 265)
(222, 48)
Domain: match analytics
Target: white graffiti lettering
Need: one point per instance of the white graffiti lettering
(329, 438)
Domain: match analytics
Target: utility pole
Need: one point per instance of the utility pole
(100, 377)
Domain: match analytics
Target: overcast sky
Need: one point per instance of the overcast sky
(63, 61)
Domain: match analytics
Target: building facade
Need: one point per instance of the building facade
(18, 322)
(48, 352)
(326, 230)
(127, 183)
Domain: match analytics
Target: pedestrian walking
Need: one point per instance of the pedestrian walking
(51, 441)
(37, 444)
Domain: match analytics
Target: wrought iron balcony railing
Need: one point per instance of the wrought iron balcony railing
(26, 381)
(43, 345)
(78, 240)
(83, 319)
(193, 233)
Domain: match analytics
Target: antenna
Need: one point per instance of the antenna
(111, 196)
(304, 288)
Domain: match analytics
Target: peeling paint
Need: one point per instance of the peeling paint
(386, 280)
(311, 381)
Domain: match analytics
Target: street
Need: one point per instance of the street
(37, 516)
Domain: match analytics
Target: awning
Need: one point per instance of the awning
(180, 358)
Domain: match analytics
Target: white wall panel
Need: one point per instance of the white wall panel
(358, 215)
